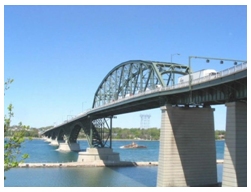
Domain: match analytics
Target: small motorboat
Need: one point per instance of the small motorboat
(132, 146)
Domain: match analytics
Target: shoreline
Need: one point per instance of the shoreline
(95, 164)
(136, 140)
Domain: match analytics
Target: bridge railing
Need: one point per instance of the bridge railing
(220, 74)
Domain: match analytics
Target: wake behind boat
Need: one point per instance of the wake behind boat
(132, 146)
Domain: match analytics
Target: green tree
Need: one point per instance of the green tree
(220, 134)
(12, 145)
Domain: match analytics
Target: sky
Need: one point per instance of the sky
(59, 54)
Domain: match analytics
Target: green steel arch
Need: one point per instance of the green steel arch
(136, 76)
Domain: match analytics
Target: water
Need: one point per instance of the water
(42, 152)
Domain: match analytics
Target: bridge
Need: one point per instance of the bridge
(187, 145)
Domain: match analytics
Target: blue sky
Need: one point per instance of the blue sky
(58, 55)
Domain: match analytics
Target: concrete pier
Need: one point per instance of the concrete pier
(48, 139)
(98, 154)
(187, 150)
(54, 142)
(235, 155)
(64, 146)
(94, 164)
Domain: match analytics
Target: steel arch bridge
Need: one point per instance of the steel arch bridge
(136, 76)
(150, 84)
(126, 79)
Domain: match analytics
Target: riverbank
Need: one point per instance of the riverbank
(95, 164)
(89, 164)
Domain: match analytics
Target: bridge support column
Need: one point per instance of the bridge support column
(235, 155)
(48, 139)
(187, 153)
(68, 146)
(54, 142)
(98, 154)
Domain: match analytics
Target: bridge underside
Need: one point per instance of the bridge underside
(214, 94)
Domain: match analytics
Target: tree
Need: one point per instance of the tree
(12, 145)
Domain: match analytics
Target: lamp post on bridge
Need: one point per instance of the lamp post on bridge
(207, 60)
(172, 62)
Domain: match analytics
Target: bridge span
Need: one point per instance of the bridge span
(187, 146)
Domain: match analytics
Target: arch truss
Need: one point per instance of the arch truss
(136, 76)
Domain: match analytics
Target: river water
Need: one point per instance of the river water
(41, 152)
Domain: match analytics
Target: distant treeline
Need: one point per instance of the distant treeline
(117, 133)
(32, 132)
(136, 133)
(219, 134)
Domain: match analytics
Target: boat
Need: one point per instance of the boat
(132, 146)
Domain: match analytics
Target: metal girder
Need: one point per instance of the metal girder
(135, 76)
(102, 132)
(213, 95)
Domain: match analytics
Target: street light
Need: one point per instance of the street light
(207, 60)
(190, 87)
(171, 62)
(220, 59)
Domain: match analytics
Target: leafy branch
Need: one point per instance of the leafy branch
(12, 145)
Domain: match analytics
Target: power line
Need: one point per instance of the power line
(145, 121)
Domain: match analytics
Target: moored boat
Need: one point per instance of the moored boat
(133, 146)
